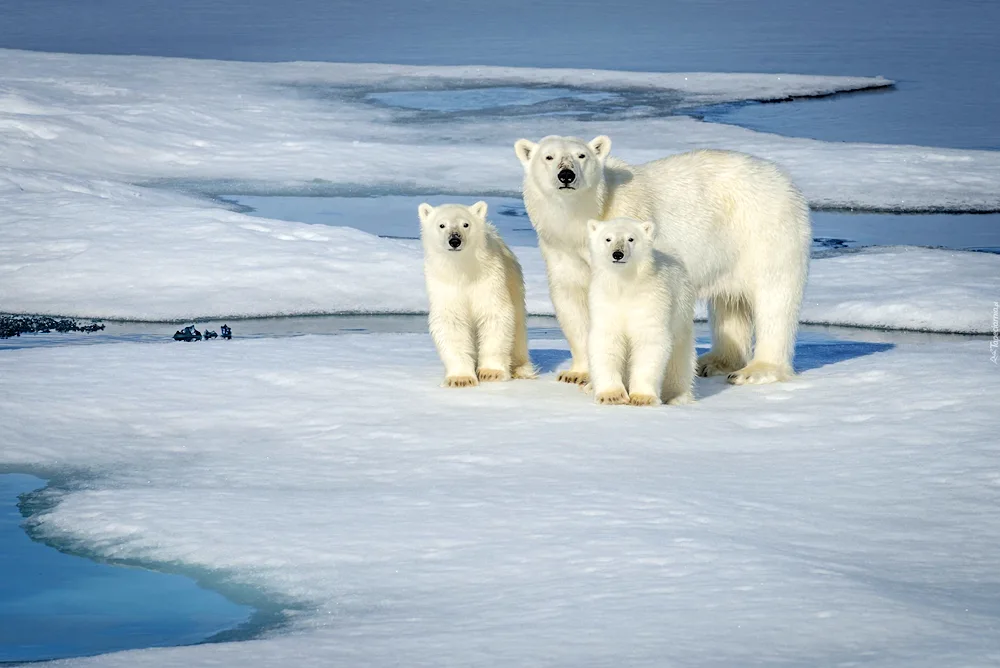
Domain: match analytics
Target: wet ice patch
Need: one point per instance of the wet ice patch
(394, 217)
(388, 216)
(483, 99)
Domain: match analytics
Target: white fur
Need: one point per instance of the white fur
(476, 294)
(737, 223)
(641, 341)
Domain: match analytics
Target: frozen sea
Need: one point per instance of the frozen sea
(844, 518)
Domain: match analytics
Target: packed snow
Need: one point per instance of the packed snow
(845, 517)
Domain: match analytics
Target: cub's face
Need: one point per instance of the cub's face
(620, 242)
(452, 228)
(564, 166)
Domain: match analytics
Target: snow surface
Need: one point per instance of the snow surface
(84, 248)
(847, 517)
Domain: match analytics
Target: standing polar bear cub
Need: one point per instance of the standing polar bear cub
(736, 222)
(476, 294)
(642, 313)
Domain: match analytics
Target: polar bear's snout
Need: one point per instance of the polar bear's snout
(566, 177)
(455, 241)
(621, 252)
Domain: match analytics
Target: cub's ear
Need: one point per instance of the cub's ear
(524, 149)
(601, 146)
(649, 228)
(478, 210)
(425, 210)
(592, 225)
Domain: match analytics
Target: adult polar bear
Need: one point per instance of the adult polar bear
(737, 223)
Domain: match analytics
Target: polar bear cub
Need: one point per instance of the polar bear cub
(476, 292)
(641, 318)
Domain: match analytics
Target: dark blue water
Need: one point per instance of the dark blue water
(943, 53)
(57, 605)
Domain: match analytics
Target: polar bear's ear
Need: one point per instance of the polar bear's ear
(524, 149)
(478, 210)
(601, 146)
(425, 210)
(592, 225)
(648, 228)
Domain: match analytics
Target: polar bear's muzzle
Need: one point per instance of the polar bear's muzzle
(620, 254)
(566, 177)
(455, 241)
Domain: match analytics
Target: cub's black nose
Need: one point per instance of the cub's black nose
(567, 176)
(455, 241)
(617, 256)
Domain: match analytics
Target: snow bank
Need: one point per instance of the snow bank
(905, 288)
(852, 521)
(310, 127)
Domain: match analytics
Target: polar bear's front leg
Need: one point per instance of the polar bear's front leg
(570, 301)
(607, 363)
(496, 341)
(679, 380)
(647, 366)
(452, 333)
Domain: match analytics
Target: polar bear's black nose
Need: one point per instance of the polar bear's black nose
(455, 241)
(617, 256)
(567, 176)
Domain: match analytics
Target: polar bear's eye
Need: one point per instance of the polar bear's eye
(548, 157)
(582, 156)
(630, 239)
(441, 226)
(608, 239)
(465, 224)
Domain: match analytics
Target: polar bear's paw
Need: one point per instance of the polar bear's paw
(614, 396)
(644, 400)
(714, 364)
(681, 400)
(525, 371)
(489, 375)
(760, 373)
(460, 381)
(574, 377)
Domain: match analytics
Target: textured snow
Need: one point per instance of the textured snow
(846, 517)
(306, 127)
(84, 248)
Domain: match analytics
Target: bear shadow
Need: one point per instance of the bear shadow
(808, 356)
(547, 360)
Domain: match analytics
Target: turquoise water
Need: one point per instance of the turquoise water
(58, 605)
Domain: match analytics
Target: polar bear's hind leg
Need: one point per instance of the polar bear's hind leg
(776, 316)
(732, 329)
